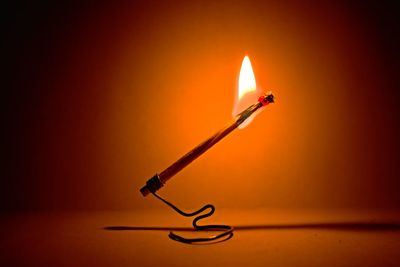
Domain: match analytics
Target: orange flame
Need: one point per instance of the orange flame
(247, 92)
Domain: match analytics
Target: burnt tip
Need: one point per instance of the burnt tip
(267, 98)
(270, 97)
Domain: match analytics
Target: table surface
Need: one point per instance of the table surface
(262, 238)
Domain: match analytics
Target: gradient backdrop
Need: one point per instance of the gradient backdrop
(100, 97)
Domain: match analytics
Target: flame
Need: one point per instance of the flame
(247, 81)
(247, 92)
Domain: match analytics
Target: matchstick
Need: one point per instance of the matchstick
(158, 180)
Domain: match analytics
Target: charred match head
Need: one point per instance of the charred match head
(266, 99)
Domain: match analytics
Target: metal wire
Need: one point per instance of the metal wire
(227, 231)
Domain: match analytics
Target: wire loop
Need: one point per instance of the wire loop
(227, 231)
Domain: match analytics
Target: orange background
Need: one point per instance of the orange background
(104, 97)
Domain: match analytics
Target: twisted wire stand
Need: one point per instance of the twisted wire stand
(227, 231)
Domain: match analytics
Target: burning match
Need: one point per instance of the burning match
(158, 180)
(247, 88)
(246, 95)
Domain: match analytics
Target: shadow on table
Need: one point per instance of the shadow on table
(336, 226)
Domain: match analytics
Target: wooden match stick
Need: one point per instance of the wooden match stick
(158, 180)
